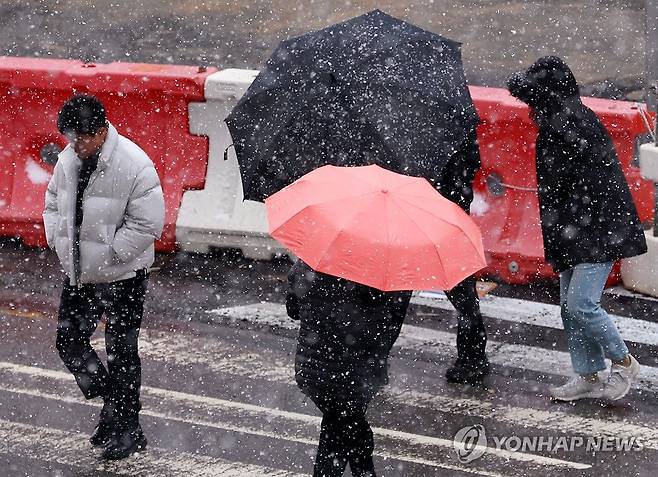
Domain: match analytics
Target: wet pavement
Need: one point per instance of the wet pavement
(219, 396)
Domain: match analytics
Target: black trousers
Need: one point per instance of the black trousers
(345, 437)
(471, 334)
(80, 311)
(457, 186)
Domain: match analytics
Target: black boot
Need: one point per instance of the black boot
(468, 371)
(471, 365)
(104, 430)
(124, 444)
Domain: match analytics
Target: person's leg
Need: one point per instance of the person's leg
(584, 302)
(471, 365)
(125, 306)
(78, 317)
(331, 457)
(361, 446)
(586, 355)
(80, 311)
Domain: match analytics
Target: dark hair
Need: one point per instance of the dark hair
(82, 114)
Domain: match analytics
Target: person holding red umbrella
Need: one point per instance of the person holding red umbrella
(365, 237)
(346, 333)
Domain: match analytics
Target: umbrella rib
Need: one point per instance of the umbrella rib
(475, 248)
(440, 218)
(423, 232)
(421, 206)
(388, 240)
(347, 222)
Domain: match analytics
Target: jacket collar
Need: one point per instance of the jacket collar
(109, 146)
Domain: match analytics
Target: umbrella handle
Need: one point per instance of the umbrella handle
(226, 151)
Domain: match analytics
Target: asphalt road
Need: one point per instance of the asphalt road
(219, 396)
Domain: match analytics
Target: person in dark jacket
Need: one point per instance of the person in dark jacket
(588, 221)
(456, 184)
(345, 336)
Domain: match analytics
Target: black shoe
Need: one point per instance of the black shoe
(104, 430)
(125, 444)
(102, 435)
(468, 372)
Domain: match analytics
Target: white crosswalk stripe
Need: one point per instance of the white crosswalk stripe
(432, 341)
(540, 314)
(70, 449)
(186, 407)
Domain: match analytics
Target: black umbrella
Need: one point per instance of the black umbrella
(370, 90)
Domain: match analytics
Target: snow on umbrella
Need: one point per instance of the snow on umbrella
(370, 90)
(376, 227)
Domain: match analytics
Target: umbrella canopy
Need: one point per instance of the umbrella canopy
(371, 90)
(375, 227)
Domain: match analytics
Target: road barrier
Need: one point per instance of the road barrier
(176, 114)
(147, 103)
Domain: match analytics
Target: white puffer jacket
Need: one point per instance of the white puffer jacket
(123, 212)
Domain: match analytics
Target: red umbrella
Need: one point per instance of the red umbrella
(376, 227)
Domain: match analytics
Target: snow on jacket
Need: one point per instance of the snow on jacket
(123, 212)
(586, 208)
(587, 211)
(345, 336)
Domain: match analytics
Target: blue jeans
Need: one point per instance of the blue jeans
(591, 334)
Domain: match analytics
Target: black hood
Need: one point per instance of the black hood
(547, 82)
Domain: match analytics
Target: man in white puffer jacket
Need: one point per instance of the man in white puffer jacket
(104, 210)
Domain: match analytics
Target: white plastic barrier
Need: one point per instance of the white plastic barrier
(641, 273)
(217, 216)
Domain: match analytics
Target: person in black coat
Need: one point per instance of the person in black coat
(456, 184)
(588, 221)
(346, 333)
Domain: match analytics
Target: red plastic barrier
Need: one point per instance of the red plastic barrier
(506, 206)
(149, 104)
(146, 103)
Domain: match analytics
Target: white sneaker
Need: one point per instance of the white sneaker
(577, 388)
(620, 380)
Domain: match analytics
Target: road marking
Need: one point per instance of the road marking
(185, 402)
(22, 313)
(619, 290)
(271, 368)
(532, 358)
(540, 314)
(222, 357)
(70, 449)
